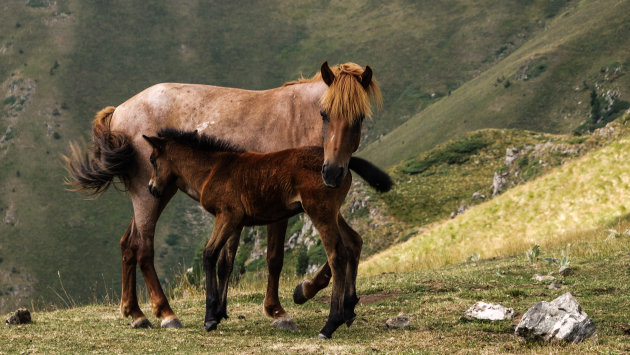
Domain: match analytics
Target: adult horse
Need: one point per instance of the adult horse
(258, 121)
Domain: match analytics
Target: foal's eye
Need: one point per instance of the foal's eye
(324, 116)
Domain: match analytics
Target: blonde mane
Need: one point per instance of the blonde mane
(346, 97)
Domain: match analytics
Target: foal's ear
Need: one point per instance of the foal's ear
(327, 74)
(156, 142)
(366, 77)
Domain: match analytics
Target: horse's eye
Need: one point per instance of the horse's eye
(324, 116)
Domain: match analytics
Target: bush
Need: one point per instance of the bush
(457, 152)
(172, 239)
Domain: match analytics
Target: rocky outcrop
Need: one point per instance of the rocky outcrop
(559, 320)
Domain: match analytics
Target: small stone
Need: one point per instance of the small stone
(539, 277)
(398, 322)
(285, 323)
(488, 311)
(21, 316)
(241, 316)
(554, 286)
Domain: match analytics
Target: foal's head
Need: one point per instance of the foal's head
(162, 174)
(345, 104)
(190, 144)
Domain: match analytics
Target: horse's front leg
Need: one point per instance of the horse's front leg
(224, 228)
(226, 265)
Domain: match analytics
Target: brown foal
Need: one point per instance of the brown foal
(247, 189)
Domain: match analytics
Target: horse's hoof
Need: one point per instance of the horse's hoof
(210, 325)
(142, 323)
(298, 294)
(284, 323)
(322, 336)
(172, 323)
(351, 320)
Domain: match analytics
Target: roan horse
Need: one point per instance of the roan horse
(259, 121)
(248, 189)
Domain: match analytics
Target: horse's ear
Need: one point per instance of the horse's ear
(327, 74)
(366, 77)
(155, 142)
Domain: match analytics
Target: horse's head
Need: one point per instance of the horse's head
(345, 104)
(162, 174)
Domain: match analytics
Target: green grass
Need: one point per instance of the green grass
(434, 299)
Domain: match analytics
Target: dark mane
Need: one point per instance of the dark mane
(199, 141)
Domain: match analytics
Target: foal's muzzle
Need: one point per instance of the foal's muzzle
(333, 174)
(154, 191)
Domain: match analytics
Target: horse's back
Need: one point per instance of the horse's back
(258, 120)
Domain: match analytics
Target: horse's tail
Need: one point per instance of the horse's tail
(374, 176)
(111, 155)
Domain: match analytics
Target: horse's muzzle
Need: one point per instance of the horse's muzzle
(333, 174)
(154, 191)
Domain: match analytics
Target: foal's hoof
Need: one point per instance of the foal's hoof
(351, 320)
(298, 294)
(210, 325)
(142, 323)
(285, 323)
(322, 336)
(173, 323)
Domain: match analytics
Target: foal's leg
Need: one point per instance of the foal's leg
(275, 258)
(226, 264)
(147, 210)
(309, 288)
(353, 243)
(224, 228)
(325, 220)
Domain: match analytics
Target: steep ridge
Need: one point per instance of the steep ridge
(589, 192)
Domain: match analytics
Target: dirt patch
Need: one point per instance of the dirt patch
(377, 297)
(437, 286)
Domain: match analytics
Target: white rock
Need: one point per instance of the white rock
(488, 311)
(539, 277)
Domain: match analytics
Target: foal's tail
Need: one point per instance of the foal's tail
(374, 176)
(111, 155)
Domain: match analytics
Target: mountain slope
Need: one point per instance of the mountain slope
(584, 194)
(544, 85)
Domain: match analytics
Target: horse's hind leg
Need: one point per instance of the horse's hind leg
(147, 210)
(353, 243)
(275, 258)
(129, 299)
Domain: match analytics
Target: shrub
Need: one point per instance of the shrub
(172, 239)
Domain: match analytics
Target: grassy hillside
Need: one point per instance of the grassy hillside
(586, 193)
(435, 300)
(544, 85)
(61, 61)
